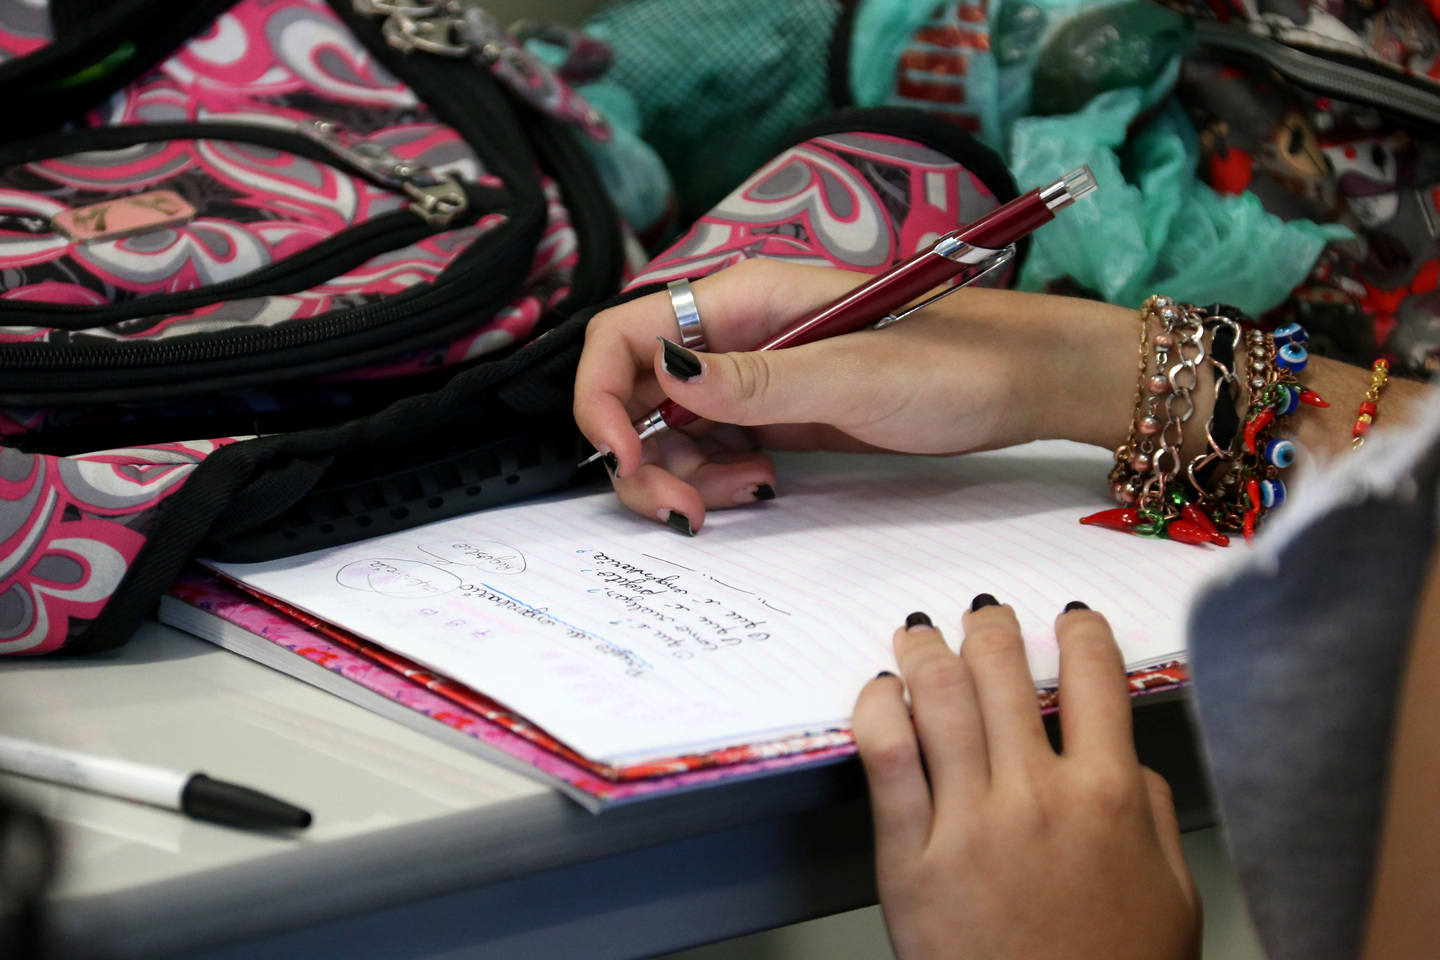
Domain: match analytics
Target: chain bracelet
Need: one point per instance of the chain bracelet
(1224, 377)
(1185, 335)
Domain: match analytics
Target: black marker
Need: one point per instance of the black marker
(193, 794)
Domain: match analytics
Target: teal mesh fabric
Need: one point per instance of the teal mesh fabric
(719, 84)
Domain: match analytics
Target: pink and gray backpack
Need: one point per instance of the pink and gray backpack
(278, 275)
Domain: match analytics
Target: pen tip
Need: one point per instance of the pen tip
(590, 459)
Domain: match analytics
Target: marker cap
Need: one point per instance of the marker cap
(219, 802)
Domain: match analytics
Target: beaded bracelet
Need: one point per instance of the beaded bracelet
(1252, 487)
(1370, 405)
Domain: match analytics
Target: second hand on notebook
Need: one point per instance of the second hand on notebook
(962, 256)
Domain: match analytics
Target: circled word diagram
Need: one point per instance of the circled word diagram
(490, 556)
(391, 577)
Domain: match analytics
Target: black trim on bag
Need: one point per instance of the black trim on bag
(435, 485)
(593, 216)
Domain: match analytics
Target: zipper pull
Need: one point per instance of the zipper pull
(438, 197)
(439, 202)
(435, 31)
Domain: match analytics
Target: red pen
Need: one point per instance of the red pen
(964, 255)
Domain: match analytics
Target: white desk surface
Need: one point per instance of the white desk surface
(398, 817)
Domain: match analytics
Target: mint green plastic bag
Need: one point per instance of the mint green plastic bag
(1159, 230)
(1153, 226)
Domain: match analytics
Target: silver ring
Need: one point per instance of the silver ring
(683, 302)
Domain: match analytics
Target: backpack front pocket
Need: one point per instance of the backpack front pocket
(233, 212)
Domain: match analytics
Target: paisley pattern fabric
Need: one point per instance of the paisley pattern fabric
(69, 529)
(859, 201)
(272, 63)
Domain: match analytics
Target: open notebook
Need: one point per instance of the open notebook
(629, 643)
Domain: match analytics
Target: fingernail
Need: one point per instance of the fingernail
(677, 521)
(917, 619)
(983, 600)
(679, 362)
(1076, 605)
(883, 673)
(752, 494)
(612, 463)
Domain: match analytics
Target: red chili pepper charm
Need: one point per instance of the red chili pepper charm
(1313, 398)
(1193, 514)
(1186, 532)
(1253, 426)
(1252, 490)
(1122, 519)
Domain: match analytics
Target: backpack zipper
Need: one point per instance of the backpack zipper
(51, 358)
(436, 198)
(1324, 74)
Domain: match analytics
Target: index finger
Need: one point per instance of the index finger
(606, 400)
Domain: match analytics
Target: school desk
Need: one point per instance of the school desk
(418, 850)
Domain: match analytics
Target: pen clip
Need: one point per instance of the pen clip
(980, 260)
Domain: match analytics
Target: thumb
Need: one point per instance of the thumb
(806, 384)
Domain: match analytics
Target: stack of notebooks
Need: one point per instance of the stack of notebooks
(617, 661)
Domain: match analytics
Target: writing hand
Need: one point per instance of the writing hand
(1009, 849)
(980, 369)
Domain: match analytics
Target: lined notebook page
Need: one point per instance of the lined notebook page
(630, 642)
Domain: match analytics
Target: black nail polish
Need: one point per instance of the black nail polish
(1076, 605)
(983, 600)
(883, 673)
(917, 619)
(679, 362)
(612, 463)
(680, 523)
(764, 492)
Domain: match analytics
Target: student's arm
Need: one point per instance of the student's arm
(978, 370)
(995, 847)
(1405, 910)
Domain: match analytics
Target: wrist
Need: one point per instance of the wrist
(1090, 365)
